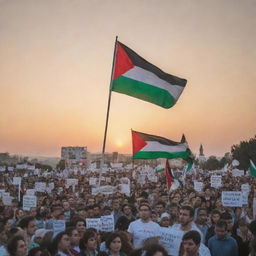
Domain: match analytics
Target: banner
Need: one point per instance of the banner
(106, 190)
(237, 173)
(29, 202)
(231, 198)
(107, 223)
(40, 186)
(30, 192)
(245, 188)
(93, 223)
(7, 200)
(92, 181)
(198, 186)
(58, 226)
(71, 182)
(16, 180)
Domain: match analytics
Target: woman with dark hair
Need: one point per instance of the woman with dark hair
(156, 250)
(114, 245)
(16, 246)
(60, 245)
(38, 251)
(88, 244)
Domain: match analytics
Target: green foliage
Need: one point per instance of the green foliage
(243, 152)
(212, 163)
(43, 167)
(61, 165)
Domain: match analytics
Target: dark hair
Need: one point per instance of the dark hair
(33, 251)
(145, 204)
(111, 237)
(70, 230)
(23, 223)
(201, 209)
(193, 235)
(87, 235)
(47, 240)
(122, 223)
(125, 205)
(222, 224)
(215, 211)
(76, 220)
(188, 208)
(54, 246)
(161, 203)
(226, 216)
(156, 248)
(252, 227)
(12, 245)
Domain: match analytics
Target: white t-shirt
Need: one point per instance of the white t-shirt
(141, 231)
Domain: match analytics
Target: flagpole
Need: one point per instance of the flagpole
(108, 108)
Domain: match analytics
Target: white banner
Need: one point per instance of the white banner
(30, 192)
(244, 198)
(92, 181)
(7, 200)
(16, 180)
(29, 202)
(71, 182)
(237, 173)
(216, 181)
(58, 226)
(245, 188)
(106, 190)
(231, 198)
(40, 186)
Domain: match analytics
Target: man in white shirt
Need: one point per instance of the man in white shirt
(143, 228)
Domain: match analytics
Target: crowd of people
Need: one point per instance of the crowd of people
(148, 221)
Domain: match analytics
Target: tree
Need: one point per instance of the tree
(212, 163)
(61, 165)
(245, 151)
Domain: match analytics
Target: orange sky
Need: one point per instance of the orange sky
(55, 64)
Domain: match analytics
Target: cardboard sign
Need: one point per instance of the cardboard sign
(107, 223)
(231, 198)
(7, 200)
(244, 198)
(237, 173)
(125, 189)
(254, 207)
(93, 223)
(106, 190)
(71, 182)
(198, 186)
(216, 181)
(29, 202)
(30, 192)
(92, 181)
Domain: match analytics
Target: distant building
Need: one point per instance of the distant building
(201, 156)
(74, 155)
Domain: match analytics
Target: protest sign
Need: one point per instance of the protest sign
(93, 223)
(244, 198)
(71, 182)
(30, 192)
(10, 169)
(40, 186)
(216, 181)
(16, 180)
(171, 239)
(106, 190)
(2, 191)
(107, 223)
(237, 173)
(125, 189)
(2, 168)
(198, 186)
(245, 188)
(231, 198)
(254, 207)
(58, 226)
(29, 202)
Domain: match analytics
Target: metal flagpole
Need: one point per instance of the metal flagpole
(107, 117)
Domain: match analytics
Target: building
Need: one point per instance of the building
(201, 157)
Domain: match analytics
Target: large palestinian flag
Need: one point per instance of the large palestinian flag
(136, 77)
(146, 146)
(171, 181)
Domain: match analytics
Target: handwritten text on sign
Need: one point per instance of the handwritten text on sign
(231, 198)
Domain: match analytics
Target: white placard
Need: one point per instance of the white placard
(40, 186)
(108, 179)
(2, 191)
(198, 186)
(58, 226)
(125, 189)
(16, 180)
(245, 188)
(106, 190)
(2, 168)
(254, 207)
(171, 239)
(231, 198)
(216, 181)
(93, 223)
(7, 200)
(30, 192)
(10, 169)
(107, 223)
(29, 202)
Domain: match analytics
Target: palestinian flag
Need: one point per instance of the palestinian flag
(252, 169)
(136, 77)
(146, 146)
(171, 181)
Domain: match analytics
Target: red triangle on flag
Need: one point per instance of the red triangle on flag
(168, 174)
(123, 62)
(137, 142)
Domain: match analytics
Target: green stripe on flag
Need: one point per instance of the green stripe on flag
(143, 91)
(252, 169)
(160, 154)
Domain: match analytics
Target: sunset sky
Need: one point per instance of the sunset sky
(55, 67)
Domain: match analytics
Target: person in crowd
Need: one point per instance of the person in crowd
(190, 244)
(79, 224)
(38, 251)
(114, 245)
(17, 246)
(156, 250)
(116, 209)
(252, 247)
(165, 220)
(143, 228)
(88, 244)
(60, 245)
(68, 213)
(160, 209)
(215, 217)
(74, 240)
(201, 222)
(221, 243)
(127, 212)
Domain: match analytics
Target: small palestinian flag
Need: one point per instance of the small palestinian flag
(146, 146)
(252, 169)
(171, 181)
(136, 77)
